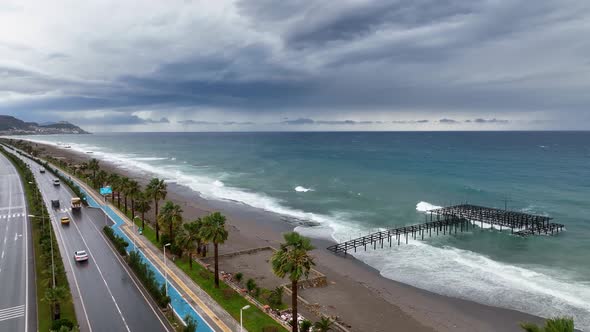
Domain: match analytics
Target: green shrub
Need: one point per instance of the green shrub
(148, 279)
(306, 325)
(57, 324)
(191, 324)
(250, 285)
(239, 276)
(120, 243)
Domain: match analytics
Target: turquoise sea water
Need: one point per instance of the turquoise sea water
(348, 184)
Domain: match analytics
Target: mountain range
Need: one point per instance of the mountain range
(10, 125)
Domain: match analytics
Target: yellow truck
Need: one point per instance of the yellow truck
(76, 204)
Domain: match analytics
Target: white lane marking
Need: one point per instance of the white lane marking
(12, 313)
(2, 254)
(63, 242)
(101, 275)
(129, 274)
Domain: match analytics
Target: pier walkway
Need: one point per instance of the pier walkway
(452, 219)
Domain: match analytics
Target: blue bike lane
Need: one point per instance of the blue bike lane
(180, 306)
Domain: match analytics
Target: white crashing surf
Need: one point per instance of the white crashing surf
(425, 207)
(301, 189)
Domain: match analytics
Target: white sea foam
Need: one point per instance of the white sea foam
(419, 264)
(425, 207)
(301, 189)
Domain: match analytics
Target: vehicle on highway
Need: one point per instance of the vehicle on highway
(80, 256)
(42, 170)
(55, 203)
(76, 203)
(56, 182)
(65, 220)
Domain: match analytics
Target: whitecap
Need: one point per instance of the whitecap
(218, 183)
(425, 207)
(301, 189)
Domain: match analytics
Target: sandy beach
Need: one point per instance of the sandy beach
(356, 293)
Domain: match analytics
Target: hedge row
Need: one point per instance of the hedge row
(120, 243)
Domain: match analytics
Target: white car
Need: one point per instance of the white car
(80, 256)
(56, 182)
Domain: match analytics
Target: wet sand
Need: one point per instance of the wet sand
(356, 293)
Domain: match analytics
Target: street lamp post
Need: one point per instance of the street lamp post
(165, 269)
(243, 308)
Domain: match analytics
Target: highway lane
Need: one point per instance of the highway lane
(17, 279)
(106, 297)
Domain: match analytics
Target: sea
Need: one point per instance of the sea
(341, 185)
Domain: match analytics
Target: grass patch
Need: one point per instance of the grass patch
(254, 318)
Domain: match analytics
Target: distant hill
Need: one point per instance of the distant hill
(10, 125)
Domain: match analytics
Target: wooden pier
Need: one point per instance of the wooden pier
(451, 219)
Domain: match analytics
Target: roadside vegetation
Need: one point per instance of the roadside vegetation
(558, 324)
(55, 310)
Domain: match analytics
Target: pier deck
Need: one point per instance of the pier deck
(452, 219)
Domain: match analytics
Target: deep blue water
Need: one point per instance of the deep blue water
(350, 183)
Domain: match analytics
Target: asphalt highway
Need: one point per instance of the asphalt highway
(106, 295)
(17, 273)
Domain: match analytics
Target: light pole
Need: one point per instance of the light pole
(51, 243)
(133, 237)
(166, 269)
(243, 308)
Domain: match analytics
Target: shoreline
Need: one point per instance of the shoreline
(357, 292)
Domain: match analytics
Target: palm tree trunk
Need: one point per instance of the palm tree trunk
(125, 204)
(142, 220)
(118, 199)
(156, 221)
(170, 232)
(294, 305)
(113, 198)
(132, 208)
(215, 245)
(190, 260)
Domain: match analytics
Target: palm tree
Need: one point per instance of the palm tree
(113, 180)
(187, 239)
(323, 325)
(171, 216)
(157, 190)
(54, 296)
(124, 187)
(94, 166)
(133, 190)
(558, 324)
(142, 205)
(213, 230)
(293, 259)
(101, 178)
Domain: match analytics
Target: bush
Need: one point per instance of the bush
(239, 276)
(257, 292)
(250, 284)
(148, 279)
(120, 243)
(57, 324)
(306, 325)
(276, 297)
(191, 324)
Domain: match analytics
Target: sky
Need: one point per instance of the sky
(297, 65)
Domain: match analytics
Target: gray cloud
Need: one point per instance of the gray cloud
(448, 121)
(496, 63)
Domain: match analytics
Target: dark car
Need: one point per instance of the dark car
(55, 203)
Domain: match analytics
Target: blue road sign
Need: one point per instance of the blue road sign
(106, 191)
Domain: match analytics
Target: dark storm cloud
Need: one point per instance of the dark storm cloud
(314, 59)
(448, 121)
